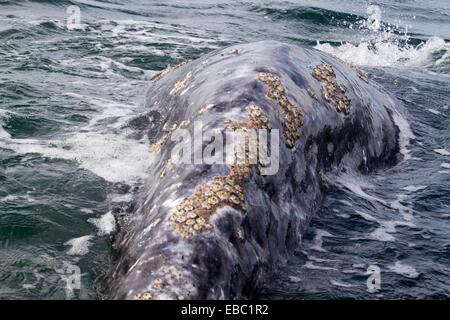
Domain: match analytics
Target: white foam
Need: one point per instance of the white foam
(27, 286)
(404, 270)
(381, 234)
(442, 152)
(405, 134)
(315, 259)
(108, 64)
(9, 198)
(295, 279)
(433, 111)
(347, 203)
(413, 188)
(341, 284)
(14, 198)
(384, 53)
(310, 265)
(414, 89)
(385, 230)
(356, 184)
(405, 211)
(4, 114)
(445, 165)
(106, 224)
(109, 154)
(122, 197)
(4, 134)
(79, 246)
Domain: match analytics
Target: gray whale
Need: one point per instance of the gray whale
(215, 231)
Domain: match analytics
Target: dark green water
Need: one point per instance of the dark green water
(67, 155)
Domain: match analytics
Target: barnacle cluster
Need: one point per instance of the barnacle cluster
(184, 123)
(324, 181)
(206, 108)
(167, 166)
(333, 92)
(193, 213)
(143, 296)
(257, 118)
(157, 285)
(362, 75)
(181, 84)
(292, 117)
(167, 71)
(156, 146)
(168, 129)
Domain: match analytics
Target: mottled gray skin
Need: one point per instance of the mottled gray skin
(216, 264)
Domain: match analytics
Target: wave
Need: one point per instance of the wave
(310, 14)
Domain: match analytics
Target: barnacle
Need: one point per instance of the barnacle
(191, 215)
(143, 296)
(181, 84)
(167, 71)
(234, 199)
(324, 182)
(168, 128)
(206, 108)
(240, 234)
(257, 118)
(167, 166)
(156, 147)
(184, 123)
(223, 195)
(200, 221)
(362, 75)
(292, 118)
(157, 283)
(333, 92)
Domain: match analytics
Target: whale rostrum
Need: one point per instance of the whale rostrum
(288, 118)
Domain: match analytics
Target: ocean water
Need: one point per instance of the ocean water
(70, 162)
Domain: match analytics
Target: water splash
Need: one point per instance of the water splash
(382, 46)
